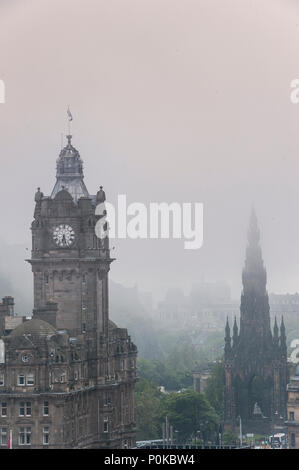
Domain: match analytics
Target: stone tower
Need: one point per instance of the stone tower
(70, 264)
(67, 376)
(255, 359)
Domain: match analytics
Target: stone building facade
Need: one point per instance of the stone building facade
(292, 421)
(256, 371)
(67, 376)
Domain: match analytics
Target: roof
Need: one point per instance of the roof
(69, 174)
(35, 328)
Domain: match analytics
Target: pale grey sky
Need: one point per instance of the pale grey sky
(173, 100)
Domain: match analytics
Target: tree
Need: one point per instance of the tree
(228, 438)
(215, 388)
(189, 413)
(148, 401)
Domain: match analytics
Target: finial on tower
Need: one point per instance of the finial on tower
(69, 139)
(101, 196)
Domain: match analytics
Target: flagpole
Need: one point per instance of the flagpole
(70, 118)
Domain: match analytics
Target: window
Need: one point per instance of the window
(28, 408)
(292, 416)
(21, 379)
(46, 435)
(83, 327)
(107, 399)
(46, 408)
(106, 427)
(3, 436)
(293, 440)
(2, 351)
(25, 408)
(24, 436)
(46, 278)
(3, 408)
(63, 378)
(30, 379)
(1, 380)
(22, 409)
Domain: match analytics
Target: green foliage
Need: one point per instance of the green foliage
(215, 388)
(148, 403)
(195, 416)
(229, 439)
(191, 415)
(174, 372)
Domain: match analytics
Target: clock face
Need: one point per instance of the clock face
(63, 236)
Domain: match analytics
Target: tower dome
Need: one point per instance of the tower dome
(34, 328)
(69, 173)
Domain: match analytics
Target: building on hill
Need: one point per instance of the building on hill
(255, 359)
(67, 376)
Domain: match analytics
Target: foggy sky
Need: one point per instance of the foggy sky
(173, 100)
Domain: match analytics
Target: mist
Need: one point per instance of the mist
(172, 101)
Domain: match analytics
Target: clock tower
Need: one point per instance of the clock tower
(72, 367)
(70, 264)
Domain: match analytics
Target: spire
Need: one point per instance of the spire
(255, 310)
(235, 333)
(227, 347)
(254, 268)
(70, 172)
(283, 338)
(254, 274)
(275, 334)
(253, 230)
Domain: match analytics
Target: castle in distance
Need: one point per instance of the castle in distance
(67, 376)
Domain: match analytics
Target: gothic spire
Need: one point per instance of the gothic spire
(283, 338)
(235, 333)
(255, 310)
(275, 334)
(227, 347)
(254, 268)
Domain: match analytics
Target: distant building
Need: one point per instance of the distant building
(200, 376)
(207, 307)
(255, 359)
(67, 376)
(286, 305)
